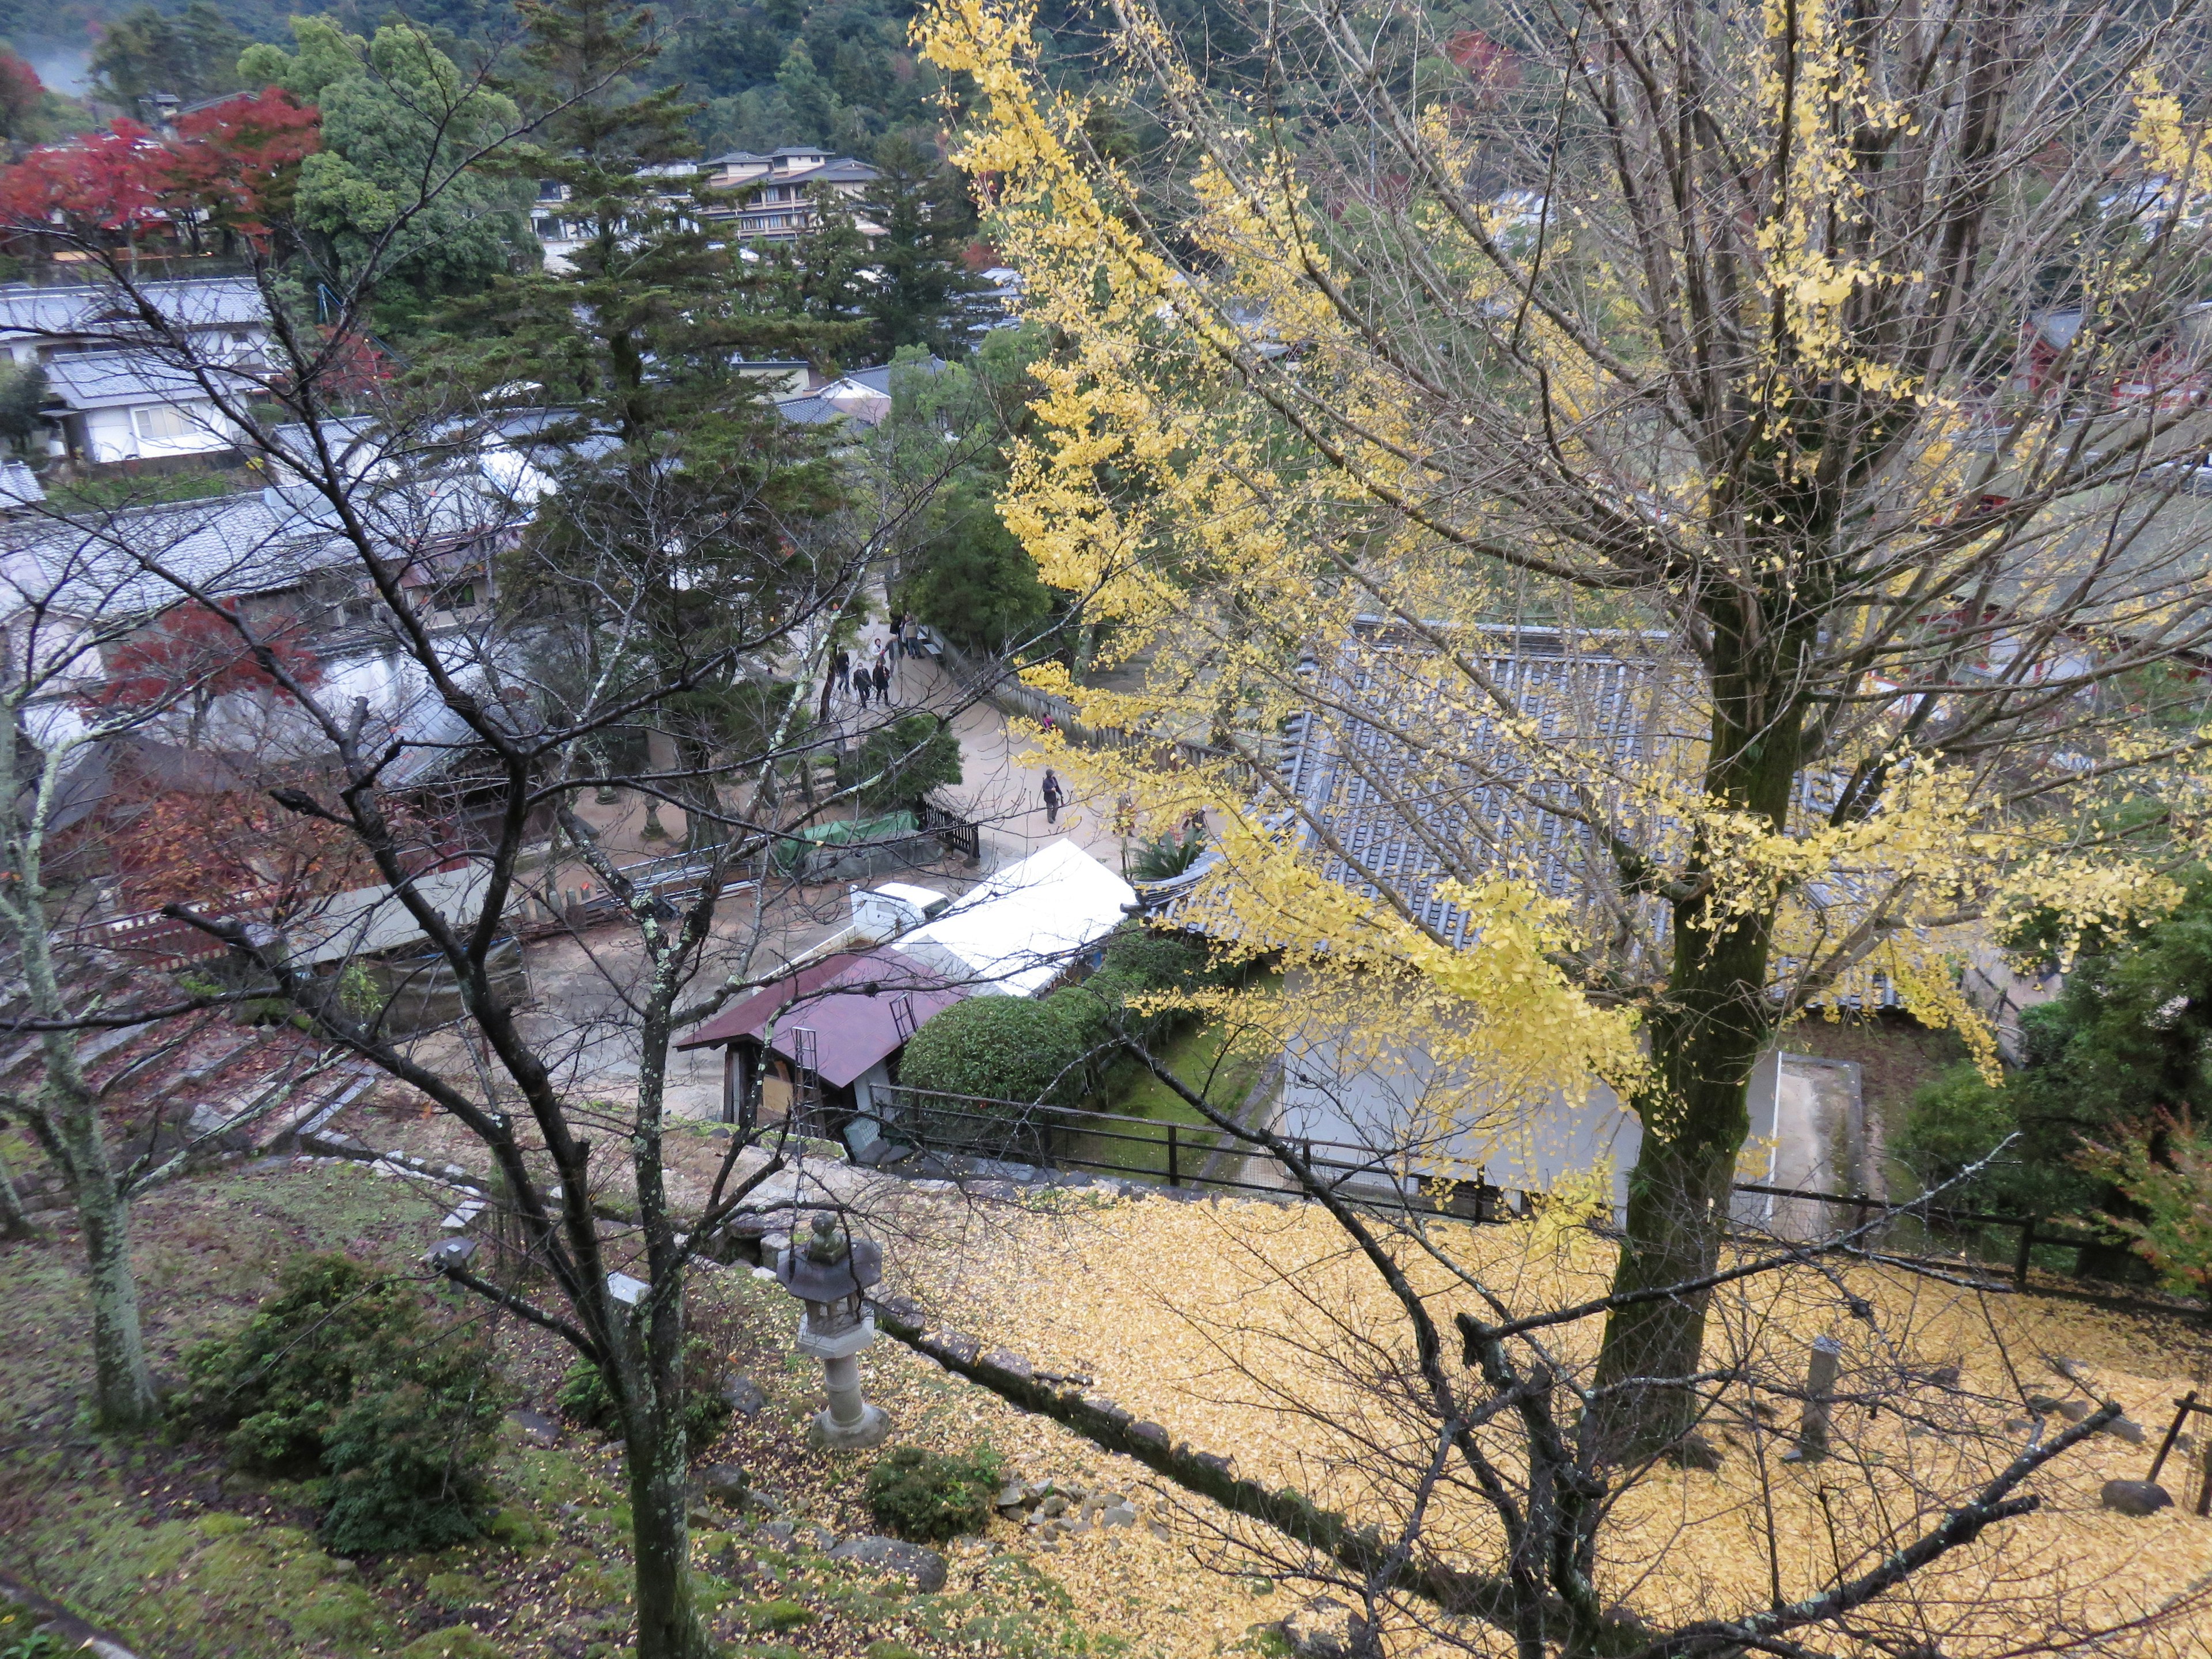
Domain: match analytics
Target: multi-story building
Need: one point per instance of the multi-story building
(761, 198)
(117, 387)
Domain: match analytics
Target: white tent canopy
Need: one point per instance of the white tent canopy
(1020, 931)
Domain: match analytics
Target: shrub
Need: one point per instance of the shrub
(273, 1386)
(928, 1497)
(346, 1377)
(900, 763)
(2163, 1171)
(403, 1466)
(1954, 1121)
(1167, 857)
(1161, 961)
(1951, 1123)
(999, 1048)
(1138, 962)
(583, 1398)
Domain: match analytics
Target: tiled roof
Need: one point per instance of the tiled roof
(1400, 779)
(195, 302)
(138, 559)
(122, 379)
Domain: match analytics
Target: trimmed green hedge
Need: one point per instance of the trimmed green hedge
(999, 1048)
(1055, 1051)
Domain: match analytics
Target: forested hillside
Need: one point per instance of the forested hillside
(841, 73)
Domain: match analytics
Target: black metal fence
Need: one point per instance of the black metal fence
(926, 1132)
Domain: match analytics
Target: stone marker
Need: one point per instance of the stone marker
(2135, 1498)
(742, 1396)
(537, 1428)
(925, 1567)
(830, 1277)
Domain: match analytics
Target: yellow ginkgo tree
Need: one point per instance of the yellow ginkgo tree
(1667, 516)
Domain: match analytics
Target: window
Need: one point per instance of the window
(172, 422)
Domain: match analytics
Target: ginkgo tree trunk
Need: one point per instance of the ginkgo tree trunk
(1830, 378)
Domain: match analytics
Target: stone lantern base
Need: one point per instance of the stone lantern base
(872, 1429)
(849, 1423)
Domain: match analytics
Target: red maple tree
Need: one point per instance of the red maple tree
(21, 95)
(238, 161)
(194, 655)
(231, 166)
(104, 181)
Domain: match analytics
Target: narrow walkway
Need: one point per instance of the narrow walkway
(1002, 776)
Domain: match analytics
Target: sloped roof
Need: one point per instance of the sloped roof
(123, 380)
(848, 1001)
(192, 302)
(19, 485)
(1024, 927)
(1398, 781)
(136, 559)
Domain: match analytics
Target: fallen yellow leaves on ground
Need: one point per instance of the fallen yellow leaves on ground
(1252, 1330)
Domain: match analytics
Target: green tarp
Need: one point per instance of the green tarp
(793, 850)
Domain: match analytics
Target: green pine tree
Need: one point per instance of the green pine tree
(683, 497)
(923, 293)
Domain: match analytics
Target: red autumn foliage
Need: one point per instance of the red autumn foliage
(223, 839)
(105, 181)
(21, 95)
(238, 159)
(1491, 66)
(192, 657)
(230, 166)
(354, 368)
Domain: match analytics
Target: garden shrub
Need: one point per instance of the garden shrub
(1951, 1123)
(929, 1496)
(898, 763)
(998, 1048)
(403, 1466)
(345, 1377)
(1168, 856)
(1163, 962)
(1137, 962)
(583, 1398)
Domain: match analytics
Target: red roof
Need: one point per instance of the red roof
(846, 1000)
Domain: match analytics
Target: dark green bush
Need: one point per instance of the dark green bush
(1163, 962)
(403, 1469)
(900, 763)
(1137, 962)
(999, 1048)
(928, 1497)
(346, 1378)
(583, 1398)
(1955, 1121)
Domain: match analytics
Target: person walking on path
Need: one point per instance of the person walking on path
(840, 671)
(913, 635)
(862, 685)
(898, 635)
(1052, 796)
(884, 680)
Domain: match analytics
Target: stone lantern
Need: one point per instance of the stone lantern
(830, 1276)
